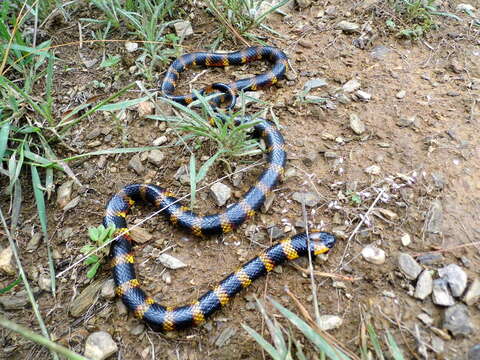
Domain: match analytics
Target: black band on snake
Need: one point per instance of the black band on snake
(127, 285)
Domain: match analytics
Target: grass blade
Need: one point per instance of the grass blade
(393, 347)
(193, 180)
(10, 286)
(375, 343)
(4, 132)
(263, 343)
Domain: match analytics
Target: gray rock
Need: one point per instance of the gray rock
(347, 27)
(314, 83)
(373, 255)
(406, 122)
(108, 289)
(237, 177)
(351, 85)
(363, 95)
(156, 157)
(99, 346)
(473, 293)
(380, 52)
(44, 282)
(137, 329)
(468, 8)
(438, 345)
(356, 124)
(310, 199)
(435, 218)
(474, 353)
(221, 193)
(408, 266)
(183, 28)
(330, 322)
(457, 320)
(373, 170)
(86, 298)
(424, 285)
(441, 294)
(225, 336)
(170, 262)
(14, 302)
(275, 232)
(64, 193)
(136, 165)
(430, 258)
(310, 158)
(426, 319)
(455, 277)
(401, 94)
(34, 241)
(343, 99)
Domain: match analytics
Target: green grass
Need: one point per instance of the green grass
(148, 22)
(241, 16)
(285, 345)
(415, 18)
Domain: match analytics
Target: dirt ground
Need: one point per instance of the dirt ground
(424, 143)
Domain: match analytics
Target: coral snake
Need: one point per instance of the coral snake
(127, 285)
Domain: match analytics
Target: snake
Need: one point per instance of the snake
(127, 285)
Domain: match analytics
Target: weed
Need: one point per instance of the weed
(99, 236)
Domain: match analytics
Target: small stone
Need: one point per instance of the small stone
(455, 277)
(438, 180)
(121, 308)
(406, 122)
(408, 266)
(438, 345)
(140, 235)
(291, 172)
(363, 95)
(435, 218)
(356, 124)
(473, 293)
(160, 140)
(430, 258)
(380, 52)
(401, 94)
(99, 346)
(314, 83)
(343, 99)
(44, 282)
(373, 170)
(16, 302)
(275, 232)
(171, 262)
(330, 155)
(64, 193)
(183, 28)
(131, 46)
(389, 214)
(145, 108)
(351, 85)
(310, 158)
(305, 43)
(474, 353)
(34, 242)
(465, 7)
(347, 27)
(108, 289)
(221, 193)
(426, 319)
(373, 255)
(6, 264)
(457, 320)
(330, 322)
(86, 298)
(308, 198)
(167, 277)
(156, 157)
(406, 240)
(136, 165)
(225, 336)
(137, 329)
(441, 295)
(424, 285)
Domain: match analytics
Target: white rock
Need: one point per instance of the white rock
(406, 240)
(6, 264)
(44, 282)
(465, 7)
(183, 28)
(363, 95)
(221, 193)
(131, 46)
(373, 255)
(63, 193)
(351, 85)
(373, 170)
(108, 289)
(156, 157)
(473, 293)
(171, 262)
(99, 346)
(441, 295)
(424, 285)
(356, 124)
(160, 140)
(455, 277)
(401, 94)
(330, 322)
(347, 27)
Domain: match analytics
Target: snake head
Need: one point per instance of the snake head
(321, 242)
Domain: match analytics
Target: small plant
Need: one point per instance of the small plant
(98, 236)
(286, 346)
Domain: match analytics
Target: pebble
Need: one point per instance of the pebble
(314, 83)
(473, 293)
(373, 255)
(430, 258)
(310, 199)
(99, 346)
(44, 282)
(438, 345)
(108, 289)
(225, 336)
(275, 232)
(330, 322)
(408, 266)
(441, 295)
(438, 180)
(343, 99)
(373, 170)
(171, 262)
(145, 108)
(156, 157)
(401, 94)
(291, 172)
(221, 193)
(457, 320)
(14, 302)
(136, 165)
(424, 285)
(64, 193)
(455, 277)
(140, 235)
(465, 7)
(347, 27)
(160, 140)
(406, 240)
(131, 46)
(86, 298)
(435, 220)
(6, 264)
(474, 353)
(380, 52)
(351, 85)
(137, 329)
(426, 319)
(363, 95)
(310, 158)
(183, 28)
(406, 122)
(356, 124)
